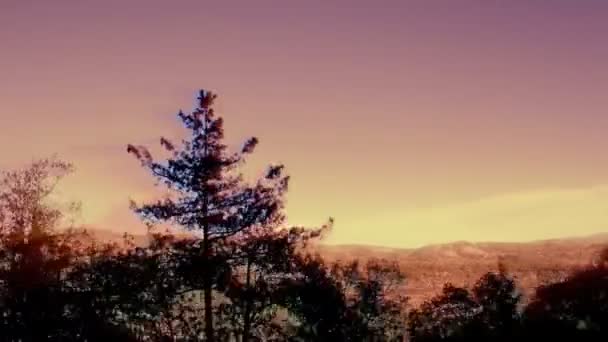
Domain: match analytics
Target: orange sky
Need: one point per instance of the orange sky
(410, 122)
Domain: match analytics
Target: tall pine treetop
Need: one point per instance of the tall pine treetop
(210, 193)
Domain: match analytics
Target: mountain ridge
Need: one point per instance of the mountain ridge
(460, 263)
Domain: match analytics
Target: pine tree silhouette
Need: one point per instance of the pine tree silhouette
(210, 196)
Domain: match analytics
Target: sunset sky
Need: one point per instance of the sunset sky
(409, 122)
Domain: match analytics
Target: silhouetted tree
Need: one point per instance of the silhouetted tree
(316, 302)
(345, 302)
(263, 260)
(130, 289)
(574, 309)
(499, 300)
(208, 193)
(447, 317)
(379, 300)
(37, 253)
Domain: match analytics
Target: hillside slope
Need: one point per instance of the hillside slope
(462, 263)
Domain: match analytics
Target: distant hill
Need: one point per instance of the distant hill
(461, 263)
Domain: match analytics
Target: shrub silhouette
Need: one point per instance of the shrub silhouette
(575, 308)
(499, 301)
(488, 313)
(345, 302)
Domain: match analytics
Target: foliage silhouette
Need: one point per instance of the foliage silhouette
(37, 301)
(208, 193)
(575, 308)
(499, 301)
(489, 313)
(345, 302)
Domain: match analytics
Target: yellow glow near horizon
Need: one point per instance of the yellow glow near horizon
(409, 123)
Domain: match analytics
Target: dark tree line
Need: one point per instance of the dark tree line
(573, 309)
(241, 274)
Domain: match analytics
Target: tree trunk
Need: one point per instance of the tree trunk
(207, 290)
(248, 298)
(208, 312)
